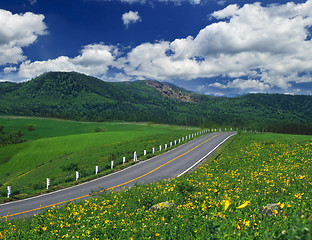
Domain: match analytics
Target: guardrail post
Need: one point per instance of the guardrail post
(175, 142)
(170, 144)
(48, 183)
(96, 169)
(123, 160)
(9, 191)
(135, 157)
(166, 146)
(159, 147)
(77, 175)
(144, 152)
(112, 164)
(153, 150)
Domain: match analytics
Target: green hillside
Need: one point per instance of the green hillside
(79, 97)
(58, 148)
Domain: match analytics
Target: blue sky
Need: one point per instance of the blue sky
(221, 48)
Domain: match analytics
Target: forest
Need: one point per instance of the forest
(75, 96)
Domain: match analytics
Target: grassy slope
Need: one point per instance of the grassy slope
(25, 166)
(262, 169)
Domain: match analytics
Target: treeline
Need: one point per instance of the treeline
(79, 97)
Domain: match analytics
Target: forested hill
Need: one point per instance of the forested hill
(80, 97)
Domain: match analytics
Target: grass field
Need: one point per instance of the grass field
(57, 148)
(222, 199)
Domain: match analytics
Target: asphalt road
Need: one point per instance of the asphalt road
(170, 164)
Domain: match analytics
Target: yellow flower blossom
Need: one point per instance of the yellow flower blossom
(226, 204)
(245, 204)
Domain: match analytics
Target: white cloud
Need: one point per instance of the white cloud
(18, 31)
(130, 17)
(94, 59)
(243, 85)
(263, 43)
(9, 70)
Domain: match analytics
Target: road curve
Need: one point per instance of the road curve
(170, 164)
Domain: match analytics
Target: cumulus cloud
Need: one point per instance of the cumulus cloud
(130, 17)
(243, 84)
(268, 46)
(18, 31)
(95, 59)
(9, 69)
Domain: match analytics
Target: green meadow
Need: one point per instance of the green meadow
(56, 149)
(257, 186)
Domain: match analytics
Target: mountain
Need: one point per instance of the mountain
(72, 95)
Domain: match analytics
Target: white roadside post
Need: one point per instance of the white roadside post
(160, 148)
(166, 146)
(123, 160)
(182, 139)
(77, 175)
(153, 150)
(135, 157)
(112, 164)
(144, 152)
(48, 183)
(179, 140)
(185, 137)
(170, 144)
(175, 142)
(96, 169)
(9, 191)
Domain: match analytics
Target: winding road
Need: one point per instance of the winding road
(173, 163)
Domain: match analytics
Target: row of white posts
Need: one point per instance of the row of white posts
(135, 156)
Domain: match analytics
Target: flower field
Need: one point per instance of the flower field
(225, 198)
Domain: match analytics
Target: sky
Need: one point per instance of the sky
(215, 47)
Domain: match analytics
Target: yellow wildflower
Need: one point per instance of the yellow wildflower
(226, 204)
(245, 204)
